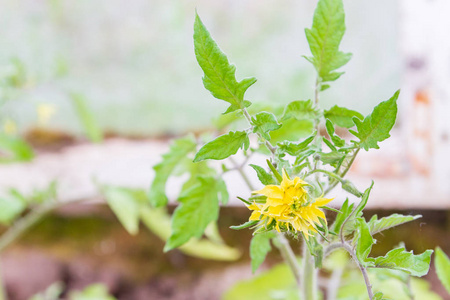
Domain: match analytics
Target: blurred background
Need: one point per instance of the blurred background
(135, 64)
(123, 75)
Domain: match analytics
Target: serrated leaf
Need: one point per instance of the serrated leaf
(219, 75)
(158, 221)
(199, 207)
(295, 149)
(263, 123)
(376, 126)
(331, 158)
(364, 242)
(393, 220)
(292, 130)
(126, 207)
(265, 177)
(195, 170)
(223, 146)
(334, 138)
(301, 110)
(400, 259)
(442, 265)
(341, 116)
(259, 247)
(177, 153)
(324, 39)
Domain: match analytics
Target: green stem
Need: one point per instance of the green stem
(342, 175)
(330, 174)
(309, 284)
(243, 175)
(288, 255)
(25, 223)
(352, 253)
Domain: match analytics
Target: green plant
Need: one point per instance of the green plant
(303, 167)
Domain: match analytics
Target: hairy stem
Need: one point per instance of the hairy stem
(334, 283)
(309, 284)
(352, 253)
(288, 255)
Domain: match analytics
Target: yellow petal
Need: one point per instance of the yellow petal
(322, 201)
(255, 216)
(271, 191)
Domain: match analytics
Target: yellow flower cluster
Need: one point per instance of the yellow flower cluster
(288, 205)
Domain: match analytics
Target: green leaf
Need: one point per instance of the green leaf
(379, 296)
(342, 116)
(400, 259)
(295, 149)
(177, 153)
(263, 176)
(325, 37)
(345, 210)
(195, 170)
(199, 207)
(223, 146)
(269, 285)
(301, 110)
(365, 197)
(334, 138)
(292, 130)
(376, 126)
(11, 206)
(259, 247)
(263, 123)
(331, 158)
(87, 118)
(14, 149)
(393, 220)
(158, 221)
(126, 206)
(92, 292)
(222, 192)
(442, 265)
(219, 75)
(364, 242)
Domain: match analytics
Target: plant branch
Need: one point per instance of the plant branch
(309, 285)
(352, 253)
(288, 255)
(242, 173)
(334, 283)
(344, 172)
(25, 223)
